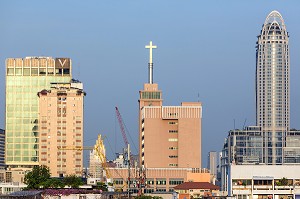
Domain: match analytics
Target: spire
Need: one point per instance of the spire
(150, 64)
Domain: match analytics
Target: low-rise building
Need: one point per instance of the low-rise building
(196, 190)
(156, 179)
(264, 181)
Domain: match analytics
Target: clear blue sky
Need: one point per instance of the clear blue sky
(205, 47)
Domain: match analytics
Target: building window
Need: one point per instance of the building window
(175, 181)
(161, 181)
(173, 156)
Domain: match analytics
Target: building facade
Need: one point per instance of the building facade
(25, 77)
(2, 148)
(212, 163)
(157, 179)
(170, 136)
(272, 75)
(264, 181)
(61, 128)
(95, 166)
(273, 86)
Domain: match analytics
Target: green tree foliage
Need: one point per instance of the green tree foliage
(53, 183)
(72, 181)
(284, 181)
(102, 186)
(35, 178)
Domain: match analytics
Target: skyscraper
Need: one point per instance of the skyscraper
(271, 141)
(272, 86)
(272, 75)
(170, 136)
(25, 77)
(61, 128)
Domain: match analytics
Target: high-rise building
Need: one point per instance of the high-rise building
(272, 87)
(25, 77)
(61, 128)
(170, 136)
(212, 163)
(272, 75)
(271, 141)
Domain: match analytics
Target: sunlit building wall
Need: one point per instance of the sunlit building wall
(61, 128)
(25, 77)
(169, 136)
(2, 148)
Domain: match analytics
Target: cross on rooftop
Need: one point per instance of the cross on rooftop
(150, 46)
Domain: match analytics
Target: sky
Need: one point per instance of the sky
(206, 52)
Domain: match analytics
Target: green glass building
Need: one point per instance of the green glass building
(25, 77)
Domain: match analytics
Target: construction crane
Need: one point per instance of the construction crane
(140, 172)
(121, 123)
(129, 155)
(99, 148)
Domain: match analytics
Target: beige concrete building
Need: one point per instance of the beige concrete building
(170, 136)
(61, 128)
(157, 179)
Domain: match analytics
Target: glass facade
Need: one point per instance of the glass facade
(24, 79)
(2, 149)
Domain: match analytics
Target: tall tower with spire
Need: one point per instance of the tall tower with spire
(169, 136)
(272, 75)
(273, 87)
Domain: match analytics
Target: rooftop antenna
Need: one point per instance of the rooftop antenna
(78, 70)
(150, 64)
(198, 97)
(234, 124)
(244, 123)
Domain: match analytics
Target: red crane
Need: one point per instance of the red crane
(121, 123)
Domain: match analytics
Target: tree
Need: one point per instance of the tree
(72, 181)
(102, 186)
(53, 183)
(284, 181)
(35, 178)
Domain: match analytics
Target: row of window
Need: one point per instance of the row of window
(36, 72)
(162, 181)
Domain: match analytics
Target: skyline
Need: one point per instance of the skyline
(181, 68)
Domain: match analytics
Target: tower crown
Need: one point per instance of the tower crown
(274, 24)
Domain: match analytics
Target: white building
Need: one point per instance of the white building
(264, 181)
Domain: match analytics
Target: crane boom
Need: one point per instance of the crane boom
(120, 120)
